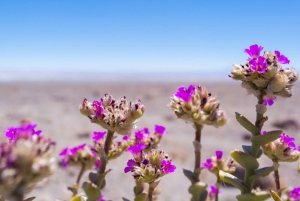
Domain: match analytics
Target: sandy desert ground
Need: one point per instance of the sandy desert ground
(54, 107)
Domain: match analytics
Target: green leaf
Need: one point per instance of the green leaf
(31, 198)
(97, 179)
(274, 195)
(261, 173)
(257, 196)
(244, 159)
(125, 199)
(190, 175)
(266, 138)
(198, 191)
(91, 191)
(141, 197)
(229, 178)
(76, 198)
(248, 149)
(247, 124)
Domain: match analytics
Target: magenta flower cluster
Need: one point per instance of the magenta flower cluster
(284, 138)
(259, 63)
(209, 164)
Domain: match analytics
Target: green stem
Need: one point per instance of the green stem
(75, 186)
(150, 192)
(259, 122)
(276, 177)
(107, 145)
(139, 187)
(197, 146)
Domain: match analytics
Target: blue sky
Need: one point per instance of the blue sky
(145, 36)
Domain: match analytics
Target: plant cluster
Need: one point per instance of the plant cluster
(27, 155)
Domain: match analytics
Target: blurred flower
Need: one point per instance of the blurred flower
(199, 108)
(216, 163)
(26, 158)
(269, 101)
(282, 150)
(80, 155)
(295, 193)
(115, 115)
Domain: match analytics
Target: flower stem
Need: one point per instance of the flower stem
(218, 184)
(139, 187)
(150, 192)
(197, 146)
(107, 144)
(75, 186)
(276, 176)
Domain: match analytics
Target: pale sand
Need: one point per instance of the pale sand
(54, 107)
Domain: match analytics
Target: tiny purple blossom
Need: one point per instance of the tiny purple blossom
(258, 64)
(139, 135)
(219, 154)
(130, 164)
(288, 140)
(269, 101)
(98, 109)
(208, 164)
(184, 93)
(136, 149)
(97, 136)
(263, 132)
(295, 193)
(146, 131)
(281, 58)
(254, 51)
(159, 129)
(10, 132)
(102, 198)
(167, 167)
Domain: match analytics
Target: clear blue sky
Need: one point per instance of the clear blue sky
(143, 36)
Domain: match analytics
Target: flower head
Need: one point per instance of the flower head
(79, 155)
(151, 166)
(200, 108)
(26, 158)
(264, 76)
(216, 163)
(115, 115)
(282, 150)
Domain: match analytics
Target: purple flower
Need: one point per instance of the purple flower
(102, 198)
(10, 132)
(281, 58)
(263, 132)
(136, 149)
(130, 165)
(98, 109)
(254, 51)
(97, 136)
(208, 164)
(295, 193)
(258, 64)
(146, 131)
(24, 130)
(139, 135)
(159, 129)
(167, 167)
(213, 190)
(126, 137)
(219, 154)
(269, 101)
(288, 140)
(184, 93)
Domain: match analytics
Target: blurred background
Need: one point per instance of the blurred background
(53, 54)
